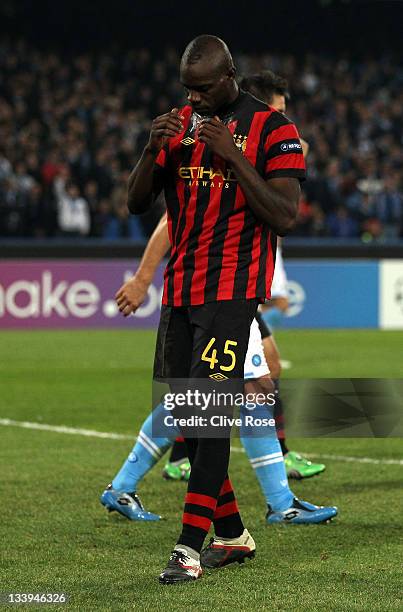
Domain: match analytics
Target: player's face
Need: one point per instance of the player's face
(278, 102)
(207, 90)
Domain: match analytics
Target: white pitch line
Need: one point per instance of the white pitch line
(92, 433)
(356, 459)
(344, 458)
(65, 430)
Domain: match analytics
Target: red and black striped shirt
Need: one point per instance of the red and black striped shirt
(220, 250)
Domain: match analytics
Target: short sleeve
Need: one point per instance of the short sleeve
(161, 158)
(160, 168)
(283, 149)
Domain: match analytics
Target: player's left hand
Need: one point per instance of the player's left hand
(218, 138)
(131, 295)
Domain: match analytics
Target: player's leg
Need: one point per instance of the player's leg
(170, 355)
(230, 326)
(297, 466)
(263, 448)
(231, 542)
(121, 494)
(225, 549)
(213, 324)
(173, 355)
(264, 452)
(272, 356)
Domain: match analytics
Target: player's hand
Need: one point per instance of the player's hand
(131, 295)
(164, 127)
(218, 138)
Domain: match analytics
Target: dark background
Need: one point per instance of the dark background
(81, 80)
(325, 26)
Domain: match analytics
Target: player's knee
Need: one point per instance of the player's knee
(257, 414)
(257, 386)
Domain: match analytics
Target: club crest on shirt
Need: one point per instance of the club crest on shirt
(240, 142)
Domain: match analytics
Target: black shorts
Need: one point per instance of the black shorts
(265, 330)
(198, 341)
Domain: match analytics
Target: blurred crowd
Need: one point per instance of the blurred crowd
(71, 129)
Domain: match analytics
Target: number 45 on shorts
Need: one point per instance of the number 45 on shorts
(212, 359)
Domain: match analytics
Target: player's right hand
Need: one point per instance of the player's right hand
(164, 127)
(131, 295)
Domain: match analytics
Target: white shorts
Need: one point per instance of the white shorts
(279, 284)
(255, 361)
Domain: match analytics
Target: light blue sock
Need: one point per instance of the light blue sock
(273, 316)
(145, 453)
(264, 452)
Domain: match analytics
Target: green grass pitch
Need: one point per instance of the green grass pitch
(55, 536)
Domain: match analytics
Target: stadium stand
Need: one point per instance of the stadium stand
(72, 127)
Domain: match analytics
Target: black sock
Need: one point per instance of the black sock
(283, 445)
(178, 452)
(206, 485)
(227, 520)
(279, 417)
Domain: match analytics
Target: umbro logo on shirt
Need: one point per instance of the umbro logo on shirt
(187, 141)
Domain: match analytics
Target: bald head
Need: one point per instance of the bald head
(207, 73)
(208, 50)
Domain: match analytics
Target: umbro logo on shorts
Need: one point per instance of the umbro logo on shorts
(217, 376)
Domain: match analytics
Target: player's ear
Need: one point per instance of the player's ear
(231, 72)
